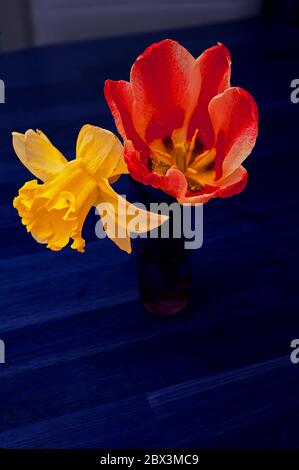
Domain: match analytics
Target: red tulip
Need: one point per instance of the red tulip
(186, 130)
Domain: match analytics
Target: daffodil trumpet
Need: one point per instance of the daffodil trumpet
(54, 210)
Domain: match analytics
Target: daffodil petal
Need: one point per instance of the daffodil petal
(121, 215)
(101, 152)
(38, 155)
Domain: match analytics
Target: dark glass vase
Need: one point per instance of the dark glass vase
(163, 264)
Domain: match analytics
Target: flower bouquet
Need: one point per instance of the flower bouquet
(186, 133)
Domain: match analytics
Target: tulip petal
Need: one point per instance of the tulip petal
(228, 186)
(38, 155)
(234, 117)
(215, 70)
(165, 86)
(101, 152)
(120, 100)
(234, 183)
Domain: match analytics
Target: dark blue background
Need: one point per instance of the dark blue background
(86, 367)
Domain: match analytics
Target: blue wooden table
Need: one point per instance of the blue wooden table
(85, 366)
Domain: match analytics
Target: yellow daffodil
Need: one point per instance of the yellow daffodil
(54, 211)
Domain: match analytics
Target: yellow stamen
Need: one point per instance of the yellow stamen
(191, 148)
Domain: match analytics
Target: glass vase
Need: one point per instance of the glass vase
(163, 264)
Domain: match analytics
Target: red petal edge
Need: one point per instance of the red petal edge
(233, 184)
